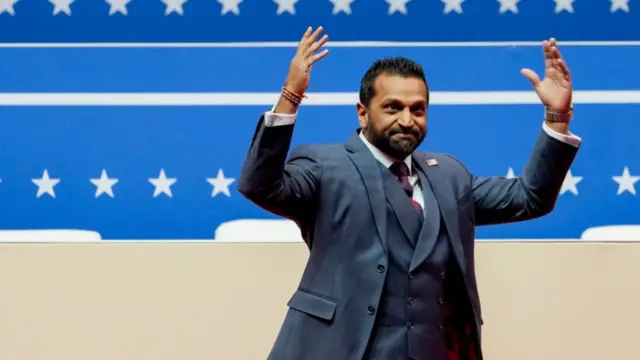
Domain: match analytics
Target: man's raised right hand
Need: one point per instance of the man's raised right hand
(298, 77)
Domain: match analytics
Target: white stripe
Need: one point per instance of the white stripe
(318, 99)
(288, 44)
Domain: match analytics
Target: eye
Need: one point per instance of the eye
(418, 110)
(392, 107)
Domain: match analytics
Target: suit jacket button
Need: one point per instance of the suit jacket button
(371, 310)
(410, 325)
(410, 275)
(381, 268)
(440, 301)
(440, 327)
(410, 300)
(442, 275)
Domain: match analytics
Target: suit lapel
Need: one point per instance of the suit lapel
(438, 178)
(431, 227)
(401, 205)
(370, 173)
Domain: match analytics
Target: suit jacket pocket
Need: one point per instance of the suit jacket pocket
(313, 304)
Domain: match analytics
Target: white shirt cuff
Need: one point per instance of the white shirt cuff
(569, 138)
(272, 119)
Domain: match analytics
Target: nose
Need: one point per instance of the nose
(405, 119)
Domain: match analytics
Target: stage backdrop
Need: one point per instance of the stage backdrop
(282, 20)
(145, 141)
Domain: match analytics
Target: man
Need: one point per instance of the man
(391, 231)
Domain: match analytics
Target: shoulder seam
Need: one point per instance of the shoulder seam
(459, 163)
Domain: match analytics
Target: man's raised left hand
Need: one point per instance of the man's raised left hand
(555, 90)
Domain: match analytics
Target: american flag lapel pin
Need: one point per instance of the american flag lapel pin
(432, 162)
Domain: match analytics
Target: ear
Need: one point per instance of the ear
(362, 112)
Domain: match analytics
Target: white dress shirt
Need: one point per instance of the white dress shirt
(387, 160)
(274, 119)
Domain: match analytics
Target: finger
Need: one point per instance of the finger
(555, 56)
(548, 56)
(555, 52)
(564, 68)
(317, 45)
(305, 36)
(553, 43)
(556, 49)
(558, 61)
(531, 76)
(318, 56)
(312, 38)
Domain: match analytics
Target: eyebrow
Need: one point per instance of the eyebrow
(394, 100)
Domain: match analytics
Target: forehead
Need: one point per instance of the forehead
(394, 86)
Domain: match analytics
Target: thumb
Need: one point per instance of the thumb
(532, 76)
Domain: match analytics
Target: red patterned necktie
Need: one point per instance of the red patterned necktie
(401, 171)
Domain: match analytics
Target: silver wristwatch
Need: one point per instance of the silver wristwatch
(551, 116)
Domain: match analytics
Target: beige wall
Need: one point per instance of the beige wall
(175, 301)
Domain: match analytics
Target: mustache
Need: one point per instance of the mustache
(414, 131)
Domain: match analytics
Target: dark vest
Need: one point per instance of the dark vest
(409, 323)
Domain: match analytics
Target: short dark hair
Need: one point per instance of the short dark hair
(399, 66)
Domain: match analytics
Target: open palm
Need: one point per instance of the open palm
(555, 90)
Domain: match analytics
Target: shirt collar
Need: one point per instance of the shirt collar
(383, 158)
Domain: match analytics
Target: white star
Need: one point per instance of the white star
(342, 6)
(104, 185)
(566, 5)
(510, 174)
(626, 182)
(61, 6)
(162, 184)
(397, 5)
(7, 6)
(220, 184)
(620, 5)
(286, 6)
(174, 6)
(230, 6)
(569, 183)
(508, 5)
(45, 184)
(452, 5)
(118, 6)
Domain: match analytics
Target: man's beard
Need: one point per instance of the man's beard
(394, 144)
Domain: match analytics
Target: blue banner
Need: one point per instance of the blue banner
(170, 171)
(120, 21)
(192, 69)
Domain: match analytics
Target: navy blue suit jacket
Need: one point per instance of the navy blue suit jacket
(334, 193)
